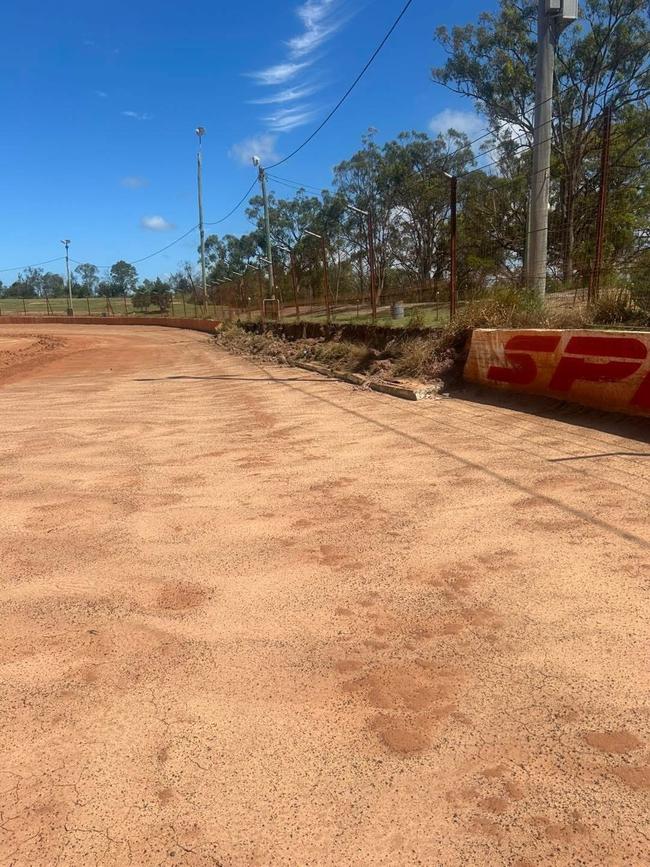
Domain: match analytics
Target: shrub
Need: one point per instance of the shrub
(615, 307)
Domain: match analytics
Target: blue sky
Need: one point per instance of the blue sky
(101, 99)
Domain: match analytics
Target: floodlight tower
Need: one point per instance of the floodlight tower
(552, 18)
(66, 244)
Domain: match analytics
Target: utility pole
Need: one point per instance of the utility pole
(552, 17)
(594, 282)
(267, 224)
(200, 131)
(66, 244)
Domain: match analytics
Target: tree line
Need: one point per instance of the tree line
(122, 280)
(602, 60)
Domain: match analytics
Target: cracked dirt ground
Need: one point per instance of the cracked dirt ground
(253, 617)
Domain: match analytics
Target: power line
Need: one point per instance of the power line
(162, 249)
(348, 91)
(149, 255)
(288, 183)
(33, 265)
(237, 206)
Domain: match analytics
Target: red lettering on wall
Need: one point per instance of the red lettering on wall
(571, 369)
(522, 368)
(606, 347)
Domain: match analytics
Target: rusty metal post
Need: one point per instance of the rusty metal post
(371, 266)
(260, 290)
(594, 281)
(453, 229)
(326, 282)
(294, 282)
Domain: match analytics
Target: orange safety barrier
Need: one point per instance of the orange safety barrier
(608, 370)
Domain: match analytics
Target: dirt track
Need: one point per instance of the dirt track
(253, 617)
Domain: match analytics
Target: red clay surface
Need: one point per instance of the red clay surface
(251, 616)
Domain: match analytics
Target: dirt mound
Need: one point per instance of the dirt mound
(21, 351)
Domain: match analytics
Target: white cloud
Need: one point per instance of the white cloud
(320, 20)
(262, 146)
(462, 121)
(279, 74)
(137, 115)
(288, 95)
(320, 24)
(133, 182)
(156, 224)
(101, 94)
(289, 118)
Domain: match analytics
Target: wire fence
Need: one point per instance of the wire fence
(478, 238)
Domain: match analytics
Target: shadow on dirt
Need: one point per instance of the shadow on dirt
(631, 427)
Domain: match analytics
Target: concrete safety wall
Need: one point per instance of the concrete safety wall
(207, 325)
(608, 370)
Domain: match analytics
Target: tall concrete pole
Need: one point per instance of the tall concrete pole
(537, 240)
(267, 224)
(200, 131)
(552, 17)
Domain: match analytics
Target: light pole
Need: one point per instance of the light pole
(552, 17)
(267, 224)
(66, 244)
(200, 131)
(326, 283)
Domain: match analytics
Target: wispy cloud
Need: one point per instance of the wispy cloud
(156, 224)
(279, 74)
(101, 94)
(321, 20)
(137, 115)
(133, 182)
(289, 118)
(462, 121)
(262, 146)
(291, 94)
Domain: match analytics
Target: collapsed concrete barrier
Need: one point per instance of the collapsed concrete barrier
(206, 325)
(608, 370)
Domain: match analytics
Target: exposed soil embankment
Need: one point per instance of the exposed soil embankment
(411, 357)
